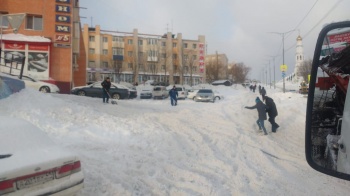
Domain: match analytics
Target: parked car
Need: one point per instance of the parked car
(31, 164)
(132, 91)
(222, 82)
(303, 88)
(205, 95)
(160, 92)
(146, 93)
(41, 86)
(9, 85)
(191, 94)
(181, 90)
(95, 90)
(218, 96)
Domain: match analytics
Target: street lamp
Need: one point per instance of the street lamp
(283, 34)
(274, 68)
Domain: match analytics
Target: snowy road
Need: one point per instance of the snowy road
(147, 147)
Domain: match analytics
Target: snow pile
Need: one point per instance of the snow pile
(24, 38)
(148, 147)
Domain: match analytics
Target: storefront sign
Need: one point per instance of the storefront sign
(63, 1)
(38, 47)
(341, 37)
(15, 46)
(62, 8)
(63, 28)
(61, 45)
(62, 18)
(201, 57)
(62, 38)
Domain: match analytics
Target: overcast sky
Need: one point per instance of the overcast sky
(238, 28)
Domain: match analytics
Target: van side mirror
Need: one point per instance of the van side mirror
(327, 130)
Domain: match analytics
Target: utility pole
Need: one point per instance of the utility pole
(270, 73)
(283, 35)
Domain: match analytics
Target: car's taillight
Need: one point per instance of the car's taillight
(68, 169)
(6, 187)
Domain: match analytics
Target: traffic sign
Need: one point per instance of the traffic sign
(283, 74)
(283, 67)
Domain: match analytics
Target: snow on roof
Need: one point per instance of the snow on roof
(24, 38)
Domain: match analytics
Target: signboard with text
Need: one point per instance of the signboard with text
(201, 57)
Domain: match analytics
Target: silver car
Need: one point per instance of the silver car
(205, 95)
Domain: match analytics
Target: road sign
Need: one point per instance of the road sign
(283, 67)
(283, 74)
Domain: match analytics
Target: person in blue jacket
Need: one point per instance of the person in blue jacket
(173, 96)
(106, 85)
(261, 107)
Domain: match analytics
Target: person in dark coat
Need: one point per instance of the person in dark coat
(254, 87)
(106, 85)
(263, 93)
(261, 107)
(259, 89)
(173, 96)
(272, 112)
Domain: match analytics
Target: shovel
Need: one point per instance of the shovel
(113, 101)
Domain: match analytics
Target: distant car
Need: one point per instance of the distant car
(205, 95)
(191, 94)
(181, 90)
(44, 87)
(146, 93)
(222, 82)
(31, 164)
(95, 90)
(303, 88)
(160, 92)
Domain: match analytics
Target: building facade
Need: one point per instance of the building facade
(216, 67)
(50, 38)
(138, 57)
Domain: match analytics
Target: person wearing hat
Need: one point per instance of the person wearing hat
(106, 85)
(173, 96)
(261, 107)
(272, 112)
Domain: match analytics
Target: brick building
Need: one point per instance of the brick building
(50, 38)
(137, 57)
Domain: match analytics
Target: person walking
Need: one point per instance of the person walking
(272, 112)
(106, 85)
(261, 107)
(259, 89)
(263, 93)
(173, 96)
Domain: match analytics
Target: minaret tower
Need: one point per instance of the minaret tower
(299, 58)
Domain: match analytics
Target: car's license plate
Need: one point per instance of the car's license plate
(32, 181)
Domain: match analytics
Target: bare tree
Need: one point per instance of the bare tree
(239, 72)
(305, 69)
(188, 64)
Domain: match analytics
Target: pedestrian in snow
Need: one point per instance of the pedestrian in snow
(259, 89)
(272, 112)
(263, 93)
(173, 96)
(106, 85)
(254, 87)
(251, 87)
(261, 107)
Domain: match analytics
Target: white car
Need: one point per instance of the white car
(31, 164)
(217, 95)
(181, 91)
(39, 85)
(192, 94)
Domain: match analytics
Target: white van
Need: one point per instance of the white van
(160, 92)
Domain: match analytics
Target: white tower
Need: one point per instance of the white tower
(299, 58)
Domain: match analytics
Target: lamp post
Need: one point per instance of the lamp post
(283, 34)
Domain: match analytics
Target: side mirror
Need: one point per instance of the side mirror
(327, 137)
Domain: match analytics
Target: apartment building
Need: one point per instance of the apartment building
(138, 57)
(216, 66)
(50, 38)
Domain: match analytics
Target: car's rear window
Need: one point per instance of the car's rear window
(157, 89)
(178, 89)
(205, 91)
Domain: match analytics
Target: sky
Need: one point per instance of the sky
(240, 29)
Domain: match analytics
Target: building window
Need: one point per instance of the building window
(34, 22)
(152, 67)
(130, 65)
(152, 41)
(164, 44)
(105, 39)
(117, 51)
(163, 67)
(130, 53)
(130, 41)
(163, 55)
(174, 56)
(141, 54)
(194, 46)
(185, 45)
(186, 57)
(118, 39)
(91, 51)
(91, 38)
(152, 53)
(194, 68)
(5, 22)
(104, 51)
(105, 64)
(194, 57)
(186, 68)
(174, 45)
(140, 42)
(91, 63)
